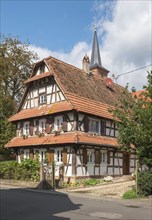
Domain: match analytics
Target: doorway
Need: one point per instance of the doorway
(126, 163)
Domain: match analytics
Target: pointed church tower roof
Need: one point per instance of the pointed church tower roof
(95, 55)
(95, 65)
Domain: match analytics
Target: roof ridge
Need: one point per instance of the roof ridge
(65, 63)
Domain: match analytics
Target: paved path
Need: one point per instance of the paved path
(20, 203)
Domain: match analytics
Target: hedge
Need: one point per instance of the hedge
(26, 170)
(145, 182)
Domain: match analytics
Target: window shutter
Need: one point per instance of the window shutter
(21, 155)
(64, 125)
(31, 128)
(103, 127)
(51, 124)
(84, 156)
(64, 156)
(37, 127)
(50, 156)
(97, 157)
(48, 125)
(21, 127)
(86, 124)
(108, 157)
(31, 154)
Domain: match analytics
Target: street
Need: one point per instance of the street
(18, 204)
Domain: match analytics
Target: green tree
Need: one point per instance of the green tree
(135, 128)
(16, 63)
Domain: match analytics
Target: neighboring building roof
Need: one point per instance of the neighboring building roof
(41, 111)
(138, 93)
(66, 138)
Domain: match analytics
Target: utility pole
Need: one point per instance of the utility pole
(137, 168)
(53, 175)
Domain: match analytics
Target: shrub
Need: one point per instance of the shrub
(26, 170)
(91, 182)
(130, 194)
(145, 182)
(8, 169)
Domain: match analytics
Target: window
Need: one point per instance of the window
(26, 154)
(26, 128)
(89, 156)
(103, 157)
(58, 121)
(42, 99)
(59, 156)
(42, 125)
(42, 69)
(94, 125)
(111, 129)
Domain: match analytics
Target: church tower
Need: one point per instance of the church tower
(96, 67)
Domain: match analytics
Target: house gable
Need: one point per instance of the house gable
(44, 91)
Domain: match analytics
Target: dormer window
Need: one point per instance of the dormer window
(42, 69)
(42, 99)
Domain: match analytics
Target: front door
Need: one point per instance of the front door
(126, 164)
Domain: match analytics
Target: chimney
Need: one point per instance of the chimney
(86, 64)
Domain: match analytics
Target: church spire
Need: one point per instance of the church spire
(96, 67)
(95, 55)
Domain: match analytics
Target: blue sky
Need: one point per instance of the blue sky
(57, 25)
(63, 29)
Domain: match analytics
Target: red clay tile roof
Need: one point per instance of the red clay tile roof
(97, 140)
(138, 93)
(36, 77)
(74, 80)
(41, 110)
(89, 106)
(86, 93)
(66, 138)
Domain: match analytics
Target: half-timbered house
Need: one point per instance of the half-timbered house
(64, 117)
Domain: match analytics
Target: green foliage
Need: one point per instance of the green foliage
(130, 194)
(27, 170)
(135, 117)
(91, 182)
(16, 63)
(145, 182)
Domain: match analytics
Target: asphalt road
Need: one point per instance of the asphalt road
(20, 204)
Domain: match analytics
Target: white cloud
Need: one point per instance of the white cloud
(127, 44)
(124, 29)
(74, 57)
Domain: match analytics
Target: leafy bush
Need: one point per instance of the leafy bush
(130, 194)
(91, 182)
(26, 170)
(145, 182)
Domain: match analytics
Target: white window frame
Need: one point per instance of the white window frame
(26, 154)
(58, 155)
(42, 153)
(94, 120)
(103, 156)
(42, 128)
(26, 128)
(58, 121)
(90, 156)
(42, 99)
